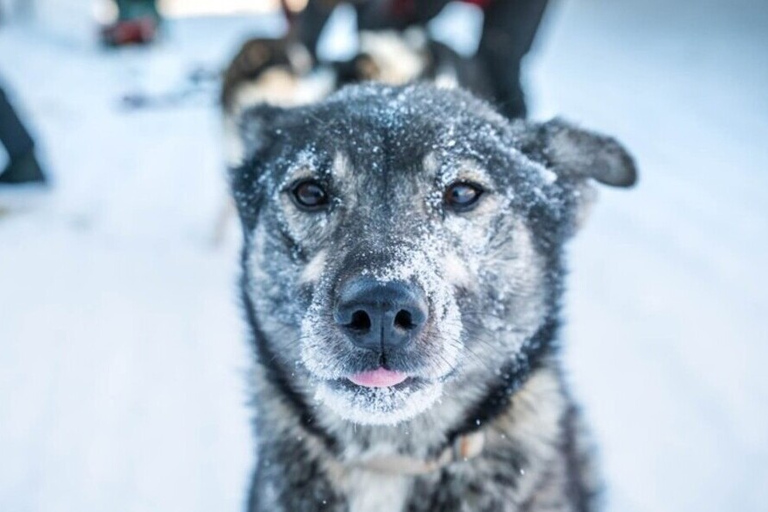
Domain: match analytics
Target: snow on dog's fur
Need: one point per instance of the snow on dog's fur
(485, 362)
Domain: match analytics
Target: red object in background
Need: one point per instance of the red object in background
(403, 8)
(406, 8)
(137, 31)
(480, 3)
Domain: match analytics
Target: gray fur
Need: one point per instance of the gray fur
(493, 278)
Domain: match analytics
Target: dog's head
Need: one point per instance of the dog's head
(399, 240)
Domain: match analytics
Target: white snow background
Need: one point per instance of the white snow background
(122, 353)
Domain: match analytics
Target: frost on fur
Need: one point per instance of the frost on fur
(385, 157)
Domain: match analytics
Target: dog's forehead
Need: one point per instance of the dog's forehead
(408, 118)
(403, 131)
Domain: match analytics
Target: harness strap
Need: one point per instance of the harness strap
(464, 448)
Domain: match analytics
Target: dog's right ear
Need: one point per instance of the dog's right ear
(257, 128)
(249, 133)
(249, 138)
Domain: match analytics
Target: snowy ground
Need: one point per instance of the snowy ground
(121, 350)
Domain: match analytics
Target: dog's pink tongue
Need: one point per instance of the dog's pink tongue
(380, 378)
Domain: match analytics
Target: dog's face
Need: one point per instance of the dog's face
(401, 240)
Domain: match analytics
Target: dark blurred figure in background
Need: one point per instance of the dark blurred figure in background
(509, 28)
(23, 167)
(137, 23)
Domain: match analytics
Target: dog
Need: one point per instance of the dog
(282, 71)
(402, 276)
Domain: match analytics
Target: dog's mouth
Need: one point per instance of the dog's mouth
(379, 378)
(405, 386)
(379, 397)
(379, 381)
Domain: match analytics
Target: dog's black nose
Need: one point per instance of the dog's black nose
(380, 316)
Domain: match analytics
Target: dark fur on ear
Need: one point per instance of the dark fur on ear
(255, 131)
(255, 128)
(573, 152)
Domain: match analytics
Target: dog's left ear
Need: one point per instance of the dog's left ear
(573, 152)
(580, 157)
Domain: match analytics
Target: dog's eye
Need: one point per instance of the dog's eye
(462, 196)
(309, 195)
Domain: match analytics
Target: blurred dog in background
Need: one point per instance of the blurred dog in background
(395, 48)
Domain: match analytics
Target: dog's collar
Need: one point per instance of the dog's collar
(463, 448)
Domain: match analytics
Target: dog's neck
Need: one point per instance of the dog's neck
(463, 448)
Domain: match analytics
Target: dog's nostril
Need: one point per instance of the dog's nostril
(404, 320)
(380, 316)
(360, 321)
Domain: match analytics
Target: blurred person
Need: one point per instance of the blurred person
(137, 23)
(23, 167)
(509, 29)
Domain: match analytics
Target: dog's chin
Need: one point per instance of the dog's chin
(379, 405)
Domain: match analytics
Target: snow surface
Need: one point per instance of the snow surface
(122, 355)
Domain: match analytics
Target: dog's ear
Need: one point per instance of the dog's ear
(250, 138)
(580, 157)
(249, 133)
(256, 128)
(573, 152)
